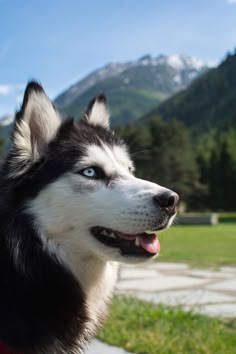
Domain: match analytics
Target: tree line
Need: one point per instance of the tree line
(201, 169)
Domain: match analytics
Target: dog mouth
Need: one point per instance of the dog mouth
(145, 244)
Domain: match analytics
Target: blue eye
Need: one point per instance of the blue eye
(93, 172)
(89, 172)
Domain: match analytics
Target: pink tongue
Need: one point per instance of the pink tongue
(150, 243)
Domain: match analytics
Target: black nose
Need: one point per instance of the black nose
(166, 200)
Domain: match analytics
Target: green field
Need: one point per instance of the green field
(144, 328)
(201, 246)
(227, 217)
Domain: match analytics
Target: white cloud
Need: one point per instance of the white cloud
(231, 1)
(5, 90)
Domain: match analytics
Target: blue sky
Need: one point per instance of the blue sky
(59, 42)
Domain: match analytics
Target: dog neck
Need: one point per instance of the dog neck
(98, 281)
(96, 276)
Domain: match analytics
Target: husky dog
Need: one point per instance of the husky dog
(70, 208)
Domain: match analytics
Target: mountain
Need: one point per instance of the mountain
(6, 120)
(132, 88)
(209, 102)
(5, 130)
(6, 125)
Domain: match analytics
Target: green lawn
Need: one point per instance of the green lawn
(144, 328)
(201, 246)
(227, 217)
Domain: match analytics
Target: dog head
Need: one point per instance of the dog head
(77, 182)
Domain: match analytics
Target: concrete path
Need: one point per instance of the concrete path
(204, 291)
(102, 348)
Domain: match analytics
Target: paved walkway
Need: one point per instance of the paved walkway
(203, 291)
(102, 348)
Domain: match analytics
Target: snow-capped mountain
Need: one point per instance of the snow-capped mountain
(180, 62)
(133, 88)
(191, 66)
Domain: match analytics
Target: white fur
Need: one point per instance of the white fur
(99, 114)
(66, 209)
(122, 157)
(73, 204)
(69, 207)
(22, 141)
(36, 128)
(111, 159)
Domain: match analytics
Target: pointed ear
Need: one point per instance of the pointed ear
(35, 126)
(97, 112)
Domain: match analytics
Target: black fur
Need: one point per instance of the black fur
(40, 299)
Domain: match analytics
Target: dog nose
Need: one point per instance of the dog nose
(166, 200)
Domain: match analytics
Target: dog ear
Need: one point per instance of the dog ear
(97, 112)
(35, 125)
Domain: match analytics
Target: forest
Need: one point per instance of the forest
(188, 142)
(201, 169)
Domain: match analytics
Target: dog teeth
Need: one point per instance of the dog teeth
(137, 242)
(105, 233)
(108, 233)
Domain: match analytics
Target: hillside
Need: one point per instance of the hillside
(132, 88)
(6, 123)
(210, 101)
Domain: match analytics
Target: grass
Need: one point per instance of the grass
(227, 217)
(144, 328)
(201, 246)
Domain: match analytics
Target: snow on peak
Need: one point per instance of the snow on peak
(179, 62)
(175, 61)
